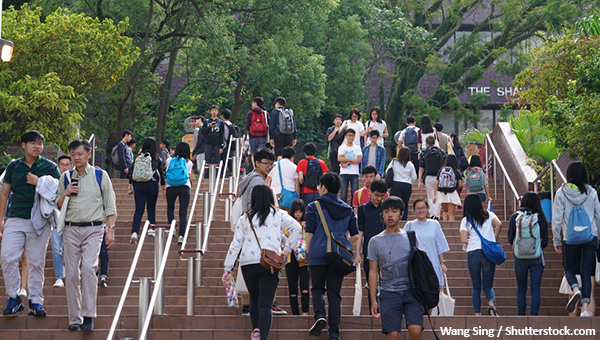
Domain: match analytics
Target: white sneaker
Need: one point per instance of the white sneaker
(586, 314)
(59, 283)
(22, 293)
(134, 238)
(151, 232)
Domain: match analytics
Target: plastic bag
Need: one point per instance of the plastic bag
(232, 297)
(300, 250)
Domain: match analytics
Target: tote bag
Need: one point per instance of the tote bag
(446, 305)
(357, 292)
(240, 284)
(492, 250)
(60, 224)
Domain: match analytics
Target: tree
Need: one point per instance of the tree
(57, 64)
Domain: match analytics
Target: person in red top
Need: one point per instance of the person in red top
(363, 195)
(306, 177)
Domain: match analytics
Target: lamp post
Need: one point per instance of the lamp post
(6, 46)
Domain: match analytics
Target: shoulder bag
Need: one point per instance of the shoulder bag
(287, 197)
(339, 257)
(269, 259)
(492, 250)
(389, 175)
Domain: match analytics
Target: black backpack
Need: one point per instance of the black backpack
(422, 277)
(433, 161)
(313, 174)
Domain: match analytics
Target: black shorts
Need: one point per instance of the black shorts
(395, 304)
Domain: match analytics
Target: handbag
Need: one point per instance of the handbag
(286, 197)
(232, 298)
(357, 293)
(339, 257)
(269, 259)
(389, 175)
(60, 223)
(492, 250)
(446, 305)
(300, 250)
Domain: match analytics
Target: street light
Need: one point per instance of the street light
(6, 46)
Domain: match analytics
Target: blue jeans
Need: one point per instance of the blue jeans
(536, 269)
(103, 258)
(145, 194)
(482, 273)
(309, 197)
(582, 257)
(353, 180)
(57, 254)
(402, 190)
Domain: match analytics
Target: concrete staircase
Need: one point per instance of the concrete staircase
(214, 320)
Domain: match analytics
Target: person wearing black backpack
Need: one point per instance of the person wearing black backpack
(409, 137)
(310, 171)
(430, 162)
(282, 128)
(389, 269)
(576, 214)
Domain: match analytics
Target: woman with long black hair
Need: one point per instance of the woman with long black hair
(404, 176)
(476, 180)
(578, 242)
(179, 169)
(481, 269)
(426, 130)
(298, 269)
(260, 228)
(528, 216)
(146, 192)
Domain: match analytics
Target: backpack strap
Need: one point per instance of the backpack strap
(98, 174)
(412, 238)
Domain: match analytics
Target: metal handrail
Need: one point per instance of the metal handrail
(551, 166)
(505, 176)
(93, 137)
(189, 221)
(236, 182)
(225, 165)
(212, 210)
(159, 278)
(134, 263)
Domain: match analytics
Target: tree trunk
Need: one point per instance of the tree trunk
(164, 93)
(238, 101)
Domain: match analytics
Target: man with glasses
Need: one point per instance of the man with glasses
(263, 163)
(18, 232)
(64, 164)
(369, 220)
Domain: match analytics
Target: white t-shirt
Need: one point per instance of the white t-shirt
(403, 133)
(350, 152)
(358, 127)
(487, 231)
(190, 170)
(288, 174)
(379, 127)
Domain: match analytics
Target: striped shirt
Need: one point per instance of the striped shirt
(23, 193)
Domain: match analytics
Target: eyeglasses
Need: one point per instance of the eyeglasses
(378, 195)
(421, 208)
(268, 165)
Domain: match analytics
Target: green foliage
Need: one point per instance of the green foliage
(533, 136)
(589, 26)
(472, 135)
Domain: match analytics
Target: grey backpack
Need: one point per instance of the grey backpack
(286, 121)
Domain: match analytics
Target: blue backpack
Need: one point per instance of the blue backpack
(97, 171)
(579, 230)
(177, 173)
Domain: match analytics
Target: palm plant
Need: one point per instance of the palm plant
(589, 26)
(533, 136)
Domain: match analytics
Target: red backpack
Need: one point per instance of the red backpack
(258, 126)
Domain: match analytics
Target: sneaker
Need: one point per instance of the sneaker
(22, 293)
(36, 309)
(180, 239)
(74, 327)
(573, 302)
(586, 314)
(277, 310)
(59, 283)
(334, 336)
(317, 327)
(492, 310)
(255, 335)
(151, 232)
(13, 305)
(134, 238)
(246, 310)
(103, 283)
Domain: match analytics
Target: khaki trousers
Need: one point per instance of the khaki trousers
(81, 247)
(434, 209)
(19, 235)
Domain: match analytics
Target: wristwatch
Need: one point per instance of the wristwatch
(111, 227)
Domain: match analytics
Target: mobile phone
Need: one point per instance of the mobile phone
(75, 182)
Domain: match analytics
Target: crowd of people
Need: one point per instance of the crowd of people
(296, 215)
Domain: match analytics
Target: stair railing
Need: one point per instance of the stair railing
(551, 166)
(134, 263)
(189, 221)
(505, 177)
(92, 141)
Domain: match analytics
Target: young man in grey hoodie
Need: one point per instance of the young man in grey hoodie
(263, 163)
(578, 254)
